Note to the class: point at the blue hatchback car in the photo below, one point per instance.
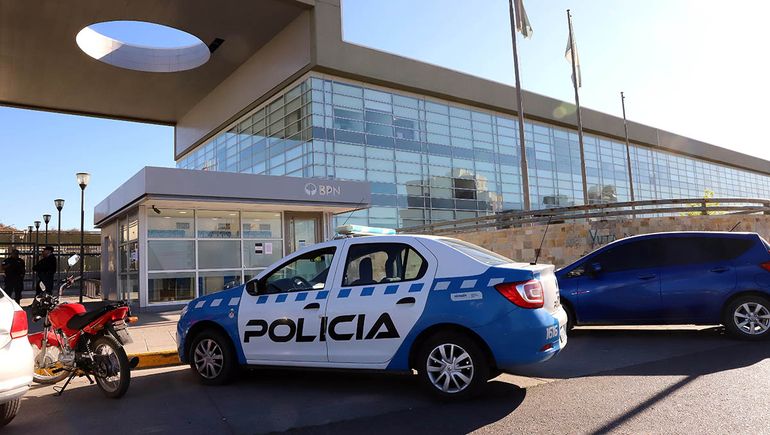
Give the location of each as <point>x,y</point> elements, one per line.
<point>673,278</point>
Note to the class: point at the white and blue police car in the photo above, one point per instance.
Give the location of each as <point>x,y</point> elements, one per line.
<point>454,312</point>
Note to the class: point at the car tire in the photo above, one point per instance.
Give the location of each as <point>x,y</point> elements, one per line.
<point>748,318</point>
<point>212,358</point>
<point>452,366</point>
<point>8,411</point>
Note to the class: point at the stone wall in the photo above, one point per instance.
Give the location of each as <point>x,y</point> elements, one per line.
<point>567,242</point>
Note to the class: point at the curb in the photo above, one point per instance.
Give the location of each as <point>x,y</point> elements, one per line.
<point>150,360</point>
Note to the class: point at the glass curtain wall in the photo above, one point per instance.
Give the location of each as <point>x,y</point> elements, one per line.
<point>197,252</point>
<point>430,160</point>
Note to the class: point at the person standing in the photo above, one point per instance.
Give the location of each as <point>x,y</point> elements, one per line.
<point>14,269</point>
<point>46,269</point>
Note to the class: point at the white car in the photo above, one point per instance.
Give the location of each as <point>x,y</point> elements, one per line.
<point>15,358</point>
<point>455,312</point>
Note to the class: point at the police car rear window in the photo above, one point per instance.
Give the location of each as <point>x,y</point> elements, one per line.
<point>476,252</point>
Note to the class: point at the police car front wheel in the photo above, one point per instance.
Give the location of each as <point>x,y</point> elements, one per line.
<point>452,366</point>
<point>212,358</point>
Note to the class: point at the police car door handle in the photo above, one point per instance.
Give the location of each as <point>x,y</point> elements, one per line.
<point>647,277</point>
<point>313,306</point>
<point>405,301</point>
<point>720,269</point>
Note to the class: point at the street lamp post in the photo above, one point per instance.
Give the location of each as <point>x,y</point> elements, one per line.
<point>46,219</point>
<point>29,241</point>
<point>83,179</point>
<point>59,203</point>
<point>37,241</point>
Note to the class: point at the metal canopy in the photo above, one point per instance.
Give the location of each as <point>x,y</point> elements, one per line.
<point>42,67</point>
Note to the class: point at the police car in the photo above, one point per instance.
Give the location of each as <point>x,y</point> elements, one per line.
<point>454,312</point>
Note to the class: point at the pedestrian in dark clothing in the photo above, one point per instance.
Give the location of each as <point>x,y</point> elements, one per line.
<point>46,269</point>
<point>14,269</point>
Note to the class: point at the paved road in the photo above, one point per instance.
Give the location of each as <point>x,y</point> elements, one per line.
<point>607,380</point>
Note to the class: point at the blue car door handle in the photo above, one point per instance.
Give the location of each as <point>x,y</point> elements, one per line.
<point>719,269</point>
<point>405,301</point>
<point>647,277</point>
<point>313,306</point>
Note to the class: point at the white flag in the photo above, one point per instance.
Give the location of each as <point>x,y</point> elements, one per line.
<point>568,56</point>
<point>522,22</point>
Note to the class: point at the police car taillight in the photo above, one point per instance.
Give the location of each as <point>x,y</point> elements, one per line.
<point>526,294</point>
<point>19,326</point>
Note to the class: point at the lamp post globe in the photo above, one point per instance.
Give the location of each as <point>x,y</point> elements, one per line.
<point>83,178</point>
<point>46,219</point>
<point>59,203</point>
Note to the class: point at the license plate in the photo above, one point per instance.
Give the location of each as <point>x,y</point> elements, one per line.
<point>122,332</point>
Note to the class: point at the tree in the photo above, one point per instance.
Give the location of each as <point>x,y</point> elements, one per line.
<point>707,194</point>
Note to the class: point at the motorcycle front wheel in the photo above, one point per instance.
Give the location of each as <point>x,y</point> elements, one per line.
<point>111,369</point>
<point>48,369</point>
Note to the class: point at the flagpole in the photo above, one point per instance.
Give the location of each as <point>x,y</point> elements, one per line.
<point>628,146</point>
<point>520,112</point>
<point>577,105</point>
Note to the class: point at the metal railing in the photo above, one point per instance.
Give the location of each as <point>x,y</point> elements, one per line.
<point>658,207</point>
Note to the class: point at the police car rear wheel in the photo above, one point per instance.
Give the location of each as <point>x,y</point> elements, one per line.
<point>452,366</point>
<point>212,358</point>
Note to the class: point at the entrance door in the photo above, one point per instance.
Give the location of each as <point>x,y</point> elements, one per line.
<point>302,229</point>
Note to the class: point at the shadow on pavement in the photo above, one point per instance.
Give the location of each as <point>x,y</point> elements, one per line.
<point>263,401</point>
<point>593,352</point>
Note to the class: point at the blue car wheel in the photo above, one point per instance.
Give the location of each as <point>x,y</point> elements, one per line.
<point>748,317</point>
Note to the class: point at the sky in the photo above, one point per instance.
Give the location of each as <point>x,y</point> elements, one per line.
<point>692,67</point>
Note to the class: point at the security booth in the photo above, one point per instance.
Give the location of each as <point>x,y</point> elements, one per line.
<point>170,235</point>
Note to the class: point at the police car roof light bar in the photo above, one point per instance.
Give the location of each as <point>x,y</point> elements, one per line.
<point>361,230</point>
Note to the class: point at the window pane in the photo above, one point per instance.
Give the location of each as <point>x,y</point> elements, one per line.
<point>211,282</point>
<point>166,287</point>
<point>218,224</point>
<point>699,250</point>
<point>414,265</point>
<point>170,254</point>
<point>219,254</point>
<point>248,275</point>
<point>261,253</point>
<point>307,272</point>
<point>639,254</point>
<point>133,227</point>
<point>261,224</point>
<point>373,263</point>
<point>170,223</point>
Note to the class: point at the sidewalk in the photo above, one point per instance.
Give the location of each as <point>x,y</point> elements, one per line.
<point>154,334</point>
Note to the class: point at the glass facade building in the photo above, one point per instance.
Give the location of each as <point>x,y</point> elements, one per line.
<point>430,160</point>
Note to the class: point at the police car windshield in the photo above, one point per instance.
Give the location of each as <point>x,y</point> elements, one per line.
<point>476,252</point>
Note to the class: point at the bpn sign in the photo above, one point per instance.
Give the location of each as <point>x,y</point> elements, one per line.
<point>313,189</point>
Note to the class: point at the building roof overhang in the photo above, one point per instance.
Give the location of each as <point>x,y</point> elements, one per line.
<point>170,187</point>
<point>42,67</point>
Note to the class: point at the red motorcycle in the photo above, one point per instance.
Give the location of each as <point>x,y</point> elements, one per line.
<point>79,343</point>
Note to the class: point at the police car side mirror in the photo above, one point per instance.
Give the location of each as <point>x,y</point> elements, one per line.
<point>252,287</point>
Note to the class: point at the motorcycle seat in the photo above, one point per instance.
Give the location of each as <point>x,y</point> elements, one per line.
<point>82,320</point>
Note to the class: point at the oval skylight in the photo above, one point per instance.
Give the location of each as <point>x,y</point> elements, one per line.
<point>142,46</point>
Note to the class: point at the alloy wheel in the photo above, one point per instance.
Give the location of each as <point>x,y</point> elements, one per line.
<point>450,368</point>
<point>752,318</point>
<point>208,358</point>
